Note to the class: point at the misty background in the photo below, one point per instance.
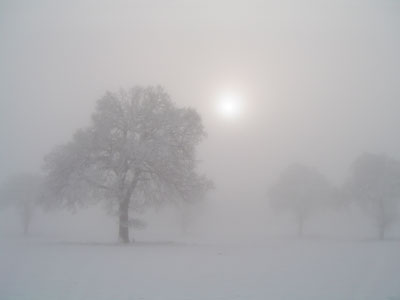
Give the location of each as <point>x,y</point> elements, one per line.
<point>319,81</point>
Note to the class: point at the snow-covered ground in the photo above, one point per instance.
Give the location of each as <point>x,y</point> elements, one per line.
<point>274,269</point>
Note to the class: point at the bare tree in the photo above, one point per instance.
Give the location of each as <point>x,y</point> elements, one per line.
<point>375,187</point>
<point>300,190</point>
<point>22,191</point>
<point>138,151</point>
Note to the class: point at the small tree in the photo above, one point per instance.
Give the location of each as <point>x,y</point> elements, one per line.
<point>22,191</point>
<point>138,151</point>
<point>300,190</point>
<point>187,214</point>
<point>375,187</point>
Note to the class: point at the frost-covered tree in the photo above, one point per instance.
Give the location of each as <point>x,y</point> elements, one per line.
<point>300,190</point>
<point>375,187</point>
<point>23,191</point>
<point>187,214</point>
<point>139,150</point>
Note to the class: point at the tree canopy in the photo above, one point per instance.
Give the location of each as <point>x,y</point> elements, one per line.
<point>375,186</point>
<point>300,190</point>
<point>139,150</point>
<point>24,192</point>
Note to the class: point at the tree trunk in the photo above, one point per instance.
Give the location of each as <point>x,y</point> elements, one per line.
<point>381,232</point>
<point>124,221</point>
<point>300,225</point>
<point>26,217</point>
<point>26,227</point>
<point>381,220</point>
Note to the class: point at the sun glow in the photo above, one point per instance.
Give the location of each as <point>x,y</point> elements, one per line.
<point>229,105</point>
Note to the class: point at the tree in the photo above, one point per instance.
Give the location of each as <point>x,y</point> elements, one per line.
<point>300,190</point>
<point>187,214</point>
<point>375,187</point>
<point>23,191</point>
<point>138,151</point>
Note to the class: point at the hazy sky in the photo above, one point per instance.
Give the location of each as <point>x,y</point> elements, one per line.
<point>319,79</point>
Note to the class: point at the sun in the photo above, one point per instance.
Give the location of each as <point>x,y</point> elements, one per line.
<point>229,105</point>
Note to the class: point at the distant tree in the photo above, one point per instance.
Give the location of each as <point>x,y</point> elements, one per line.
<point>22,191</point>
<point>375,187</point>
<point>187,214</point>
<point>300,190</point>
<point>138,151</point>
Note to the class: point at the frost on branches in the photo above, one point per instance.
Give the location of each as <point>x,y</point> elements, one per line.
<point>138,151</point>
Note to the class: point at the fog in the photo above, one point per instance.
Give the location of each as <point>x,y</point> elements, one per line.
<point>318,83</point>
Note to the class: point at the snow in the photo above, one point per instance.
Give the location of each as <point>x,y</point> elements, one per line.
<point>273,269</point>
